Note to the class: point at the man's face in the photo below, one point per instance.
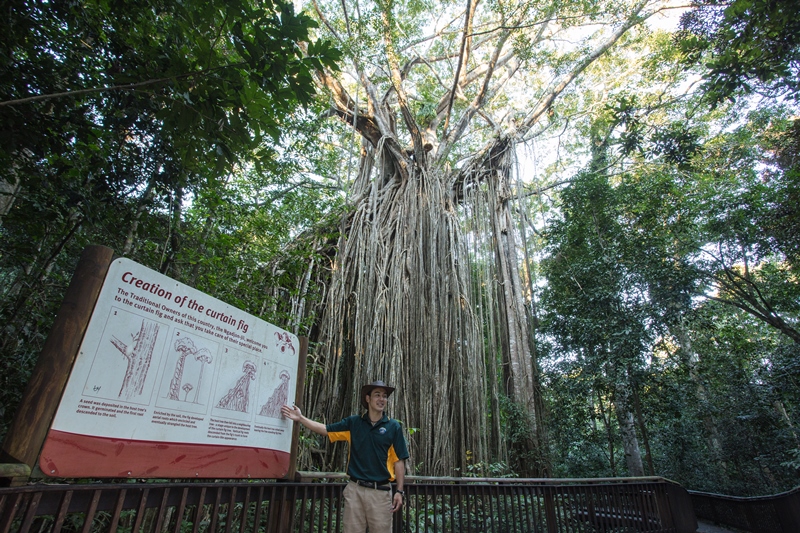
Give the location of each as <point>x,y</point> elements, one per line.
<point>377,399</point>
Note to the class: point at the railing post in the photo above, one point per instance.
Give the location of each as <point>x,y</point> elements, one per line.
<point>397,521</point>
<point>788,510</point>
<point>282,519</point>
<point>679,508</point>
<point>550,509</point>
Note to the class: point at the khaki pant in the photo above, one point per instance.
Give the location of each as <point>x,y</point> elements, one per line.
<point>365,507</point>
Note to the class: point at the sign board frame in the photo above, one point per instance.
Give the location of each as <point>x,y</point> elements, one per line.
<point>168,382</point>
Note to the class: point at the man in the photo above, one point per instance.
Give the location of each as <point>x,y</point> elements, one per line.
<point>377,454</point>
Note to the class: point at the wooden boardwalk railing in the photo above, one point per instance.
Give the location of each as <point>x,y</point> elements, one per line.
<point>779,513</point>
<point>432,505</point>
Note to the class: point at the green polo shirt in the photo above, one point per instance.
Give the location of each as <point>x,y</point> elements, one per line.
<point>373,449</point>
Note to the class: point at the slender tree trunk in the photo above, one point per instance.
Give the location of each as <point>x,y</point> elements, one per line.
<point>690,359</point>
<point>25,286</point>
<point>781,409</point>
<point>208,227</point>
<point>627,428</point>
<point>8,194</point>
<point>609,434</point>
<point>143,202</point>
<point>643,430</point>
<point>299,301</point>
<point>170,266</point>
<point>202,249</point>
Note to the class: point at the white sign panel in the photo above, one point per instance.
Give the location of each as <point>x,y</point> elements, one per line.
<point>162,362</point>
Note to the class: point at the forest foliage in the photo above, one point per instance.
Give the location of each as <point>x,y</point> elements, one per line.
<point>655,229</point>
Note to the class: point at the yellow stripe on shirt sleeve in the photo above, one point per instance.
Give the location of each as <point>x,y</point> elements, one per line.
<point>335,436</point>
<point>391,459</point>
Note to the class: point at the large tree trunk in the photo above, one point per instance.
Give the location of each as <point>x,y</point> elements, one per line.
<point>399,309</point>
<point>520,376</point>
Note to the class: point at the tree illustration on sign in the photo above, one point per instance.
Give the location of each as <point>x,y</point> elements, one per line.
<point>238,397</point>
<point>138,355</point>
<point>186,347</point>
<point>204,357</point>
<point>279,396</point>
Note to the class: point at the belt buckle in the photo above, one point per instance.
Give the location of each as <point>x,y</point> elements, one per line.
<point>372,485</point>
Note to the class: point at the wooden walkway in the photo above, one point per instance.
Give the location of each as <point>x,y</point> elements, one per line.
<point>709,527</point>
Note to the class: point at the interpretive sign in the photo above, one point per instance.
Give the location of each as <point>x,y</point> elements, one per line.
<point>171,382</point>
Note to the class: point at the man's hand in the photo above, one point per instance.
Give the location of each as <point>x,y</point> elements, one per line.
<point>397,502</point>
<point>292,413</point>
<point>400,476</point>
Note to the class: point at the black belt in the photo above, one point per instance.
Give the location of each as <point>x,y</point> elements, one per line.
<point>373,484</point>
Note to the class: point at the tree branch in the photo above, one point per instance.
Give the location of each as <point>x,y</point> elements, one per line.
<point>463,56</point>
<point>128,86</point>
<point>402,97</point>
<point>634,19</point>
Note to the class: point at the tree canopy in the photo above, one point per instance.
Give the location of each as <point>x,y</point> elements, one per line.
<point>153,128</point>
<point>745,46</point>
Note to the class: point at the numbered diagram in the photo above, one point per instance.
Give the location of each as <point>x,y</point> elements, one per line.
<point>121,366</point>
<point>278,389</point>
<point>235,387</point>
<point>188,372</point>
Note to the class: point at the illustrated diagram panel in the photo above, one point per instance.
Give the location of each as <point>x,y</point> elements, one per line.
<point>162,362</point>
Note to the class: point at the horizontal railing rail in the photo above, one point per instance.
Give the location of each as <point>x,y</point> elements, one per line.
<point>432,505</point>
<point>779,513</point>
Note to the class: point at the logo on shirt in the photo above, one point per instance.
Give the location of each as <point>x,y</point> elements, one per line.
<point>382,431</point>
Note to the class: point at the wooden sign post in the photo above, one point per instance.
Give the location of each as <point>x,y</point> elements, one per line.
<point>39,403</point>
<point>298,401</point>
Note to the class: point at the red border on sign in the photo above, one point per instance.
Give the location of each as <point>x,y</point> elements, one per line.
<point>73,455</point>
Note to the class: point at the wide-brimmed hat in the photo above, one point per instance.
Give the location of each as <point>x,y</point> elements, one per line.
<point>367,390</point>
